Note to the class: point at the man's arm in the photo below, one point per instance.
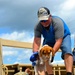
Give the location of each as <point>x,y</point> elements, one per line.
<point>36,44</point>
<point>57,45</point>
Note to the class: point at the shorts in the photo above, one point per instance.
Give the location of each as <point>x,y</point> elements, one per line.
<point>66,46</point>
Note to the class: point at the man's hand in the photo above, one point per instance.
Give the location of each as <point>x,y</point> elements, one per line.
<point>34,57</point>
<point>33,63</point>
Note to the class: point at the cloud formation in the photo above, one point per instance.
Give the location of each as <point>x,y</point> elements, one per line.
<point>21,15</point>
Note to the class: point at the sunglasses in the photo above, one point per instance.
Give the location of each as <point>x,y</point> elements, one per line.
<point>43,20</point>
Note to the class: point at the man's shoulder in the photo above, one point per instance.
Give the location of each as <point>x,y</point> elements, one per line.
<point>38,25</point>
<point>56,18</point>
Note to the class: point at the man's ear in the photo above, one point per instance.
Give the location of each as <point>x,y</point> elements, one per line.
<point>52,54</point>
<point>41,52</point>
<point>52,50</point>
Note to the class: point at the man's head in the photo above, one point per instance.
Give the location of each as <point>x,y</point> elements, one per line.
<point>44,16</point>
<point>43,13</point>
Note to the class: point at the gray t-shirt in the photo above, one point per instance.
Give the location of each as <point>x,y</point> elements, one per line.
<point>57,24</point>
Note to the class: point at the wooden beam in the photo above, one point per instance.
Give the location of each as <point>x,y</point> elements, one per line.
<point>1,61</point>
<point>17,44</point>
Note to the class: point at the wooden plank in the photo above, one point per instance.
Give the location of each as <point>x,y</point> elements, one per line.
<point>1,62</point>
<point>17,44</point>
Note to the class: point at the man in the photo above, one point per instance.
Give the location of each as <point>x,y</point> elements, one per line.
<point>57,35</point>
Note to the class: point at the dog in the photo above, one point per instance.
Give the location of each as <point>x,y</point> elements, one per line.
<point>46,53</point>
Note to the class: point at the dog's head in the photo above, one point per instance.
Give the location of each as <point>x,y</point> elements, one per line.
<point>46,50</point>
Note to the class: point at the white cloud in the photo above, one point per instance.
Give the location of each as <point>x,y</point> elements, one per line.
<point>58,62</point>
<point>19,55</point>
<point>68,5</point>
<point>23,36</point>
<point>24,55</point>
<point>8,53</point>
<point>67,8</point>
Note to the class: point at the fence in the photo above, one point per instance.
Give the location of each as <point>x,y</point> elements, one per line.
<point>57,69</point>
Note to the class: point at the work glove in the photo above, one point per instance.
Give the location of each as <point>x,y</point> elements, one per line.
<point>33,58</point>
<point>33,63</point>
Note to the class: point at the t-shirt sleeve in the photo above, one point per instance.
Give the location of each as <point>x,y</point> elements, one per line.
<point>38,30</point>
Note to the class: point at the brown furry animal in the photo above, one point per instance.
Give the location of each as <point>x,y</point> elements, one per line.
<point>44,55</point>
<point>45,52</point>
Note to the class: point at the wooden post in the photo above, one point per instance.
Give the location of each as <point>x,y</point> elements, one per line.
<point>59,70</point>
<point>54,70</point>
<point>1,62</point>
<point>73,71</point>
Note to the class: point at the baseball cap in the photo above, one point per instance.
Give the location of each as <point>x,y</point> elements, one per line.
<point>43,13</point>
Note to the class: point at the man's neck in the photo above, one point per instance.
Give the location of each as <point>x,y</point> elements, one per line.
<point>47,28</point>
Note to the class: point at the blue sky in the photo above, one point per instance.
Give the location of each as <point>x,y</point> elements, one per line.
<point>17,21</point>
